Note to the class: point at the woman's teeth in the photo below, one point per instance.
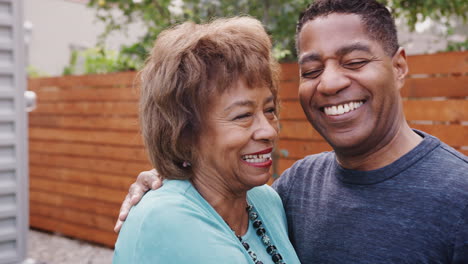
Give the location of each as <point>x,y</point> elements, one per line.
<point>342,108</point>
<point>257,158</point>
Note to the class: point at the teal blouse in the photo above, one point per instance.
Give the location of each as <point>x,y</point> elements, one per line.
<point>174,224</point>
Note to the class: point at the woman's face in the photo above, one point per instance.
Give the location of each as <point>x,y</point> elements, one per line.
<point>238,138</point>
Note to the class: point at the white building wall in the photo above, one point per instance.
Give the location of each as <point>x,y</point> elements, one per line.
<point>430,36</point>
<point>13,136</point>
<point>60,25</point>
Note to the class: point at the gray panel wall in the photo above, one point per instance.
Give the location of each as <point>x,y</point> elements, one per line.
<point>13,135</point>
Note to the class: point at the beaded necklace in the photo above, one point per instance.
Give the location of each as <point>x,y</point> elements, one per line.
<point>261,232</point>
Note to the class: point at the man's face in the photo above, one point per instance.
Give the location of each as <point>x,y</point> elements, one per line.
<point>349,87</point>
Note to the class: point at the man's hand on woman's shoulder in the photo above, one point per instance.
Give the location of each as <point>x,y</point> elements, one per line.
<point>146,180</point>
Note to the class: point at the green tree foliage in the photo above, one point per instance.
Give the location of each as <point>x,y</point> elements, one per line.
<point>99,60</point>
<point>418,10</point>
<point>279,17</point>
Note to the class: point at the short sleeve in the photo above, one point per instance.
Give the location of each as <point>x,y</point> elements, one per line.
<point>176,231</point>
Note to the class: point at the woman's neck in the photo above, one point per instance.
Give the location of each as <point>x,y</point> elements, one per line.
<point>230,205</point>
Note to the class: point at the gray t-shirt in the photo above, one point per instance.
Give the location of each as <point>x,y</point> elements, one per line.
<point>414,210</point>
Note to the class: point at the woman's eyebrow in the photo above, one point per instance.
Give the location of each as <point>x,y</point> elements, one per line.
<point>239,103</point>
<point>269,99</point>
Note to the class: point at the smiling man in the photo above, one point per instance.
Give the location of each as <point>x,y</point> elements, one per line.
<point>349,90</point>
<point>387,193</point>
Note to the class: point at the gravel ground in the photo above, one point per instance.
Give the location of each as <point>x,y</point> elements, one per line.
<point>47,248</point>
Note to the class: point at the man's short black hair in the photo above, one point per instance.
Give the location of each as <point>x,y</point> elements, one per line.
<point>376,18</point>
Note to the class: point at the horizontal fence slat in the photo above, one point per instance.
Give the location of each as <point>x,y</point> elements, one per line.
<point>76,203</point>
<point>92,164</point>
<point>87,122</point>
<point>298,149</point>
<point>121,79</point>
<point>443,110</point>
<point>55,94</point>
<point>289,71</point>
<point>73,230</point>
<point>299,129</point>
<point>104,223</point>
<point>88,136</point>
<point>441,63</point>
<point>453,135</point>
<point>89,108</point>
<point>447,62</point>
<point>447,110</point>
<point>289,90</point>
<point>453,86</point>
<point>84,177</point>
<point>123,153</point>
<point>291,110</point>
<point>78,190</point>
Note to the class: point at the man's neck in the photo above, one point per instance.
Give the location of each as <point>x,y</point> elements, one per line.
<point>402,142</point>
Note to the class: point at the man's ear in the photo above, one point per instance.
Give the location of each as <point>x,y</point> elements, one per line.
<point>400,66</point>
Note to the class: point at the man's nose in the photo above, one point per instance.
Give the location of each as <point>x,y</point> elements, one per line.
<point>333,80</point>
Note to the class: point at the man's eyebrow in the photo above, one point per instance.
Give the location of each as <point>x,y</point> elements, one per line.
<point>352,47</point>
<point>340,52</point>
<point>309,57</point>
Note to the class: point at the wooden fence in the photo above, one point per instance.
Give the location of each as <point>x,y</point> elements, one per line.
<point>85,148</point>
<point>85,151</point>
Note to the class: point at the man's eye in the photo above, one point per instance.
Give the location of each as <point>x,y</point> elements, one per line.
<point>354,65</point>
<point>312,74</point>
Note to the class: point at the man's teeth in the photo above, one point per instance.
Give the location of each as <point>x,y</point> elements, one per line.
<point>342,108</point>
<point>257,158</point>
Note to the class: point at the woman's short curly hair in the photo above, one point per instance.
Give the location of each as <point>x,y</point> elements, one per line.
<point>189,66</point>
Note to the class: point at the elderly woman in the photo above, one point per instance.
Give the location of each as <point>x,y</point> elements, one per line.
<point>208,115</point>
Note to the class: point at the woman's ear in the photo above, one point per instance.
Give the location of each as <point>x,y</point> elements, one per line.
<point>400,66</point>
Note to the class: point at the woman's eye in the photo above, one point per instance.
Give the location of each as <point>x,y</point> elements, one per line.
<point>312,74</point>
<point>354,65</point>
<point>271,111</point>
<point>243,116</point>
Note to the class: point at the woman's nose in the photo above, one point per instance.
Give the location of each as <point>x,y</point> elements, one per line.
<point>267,129</point>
